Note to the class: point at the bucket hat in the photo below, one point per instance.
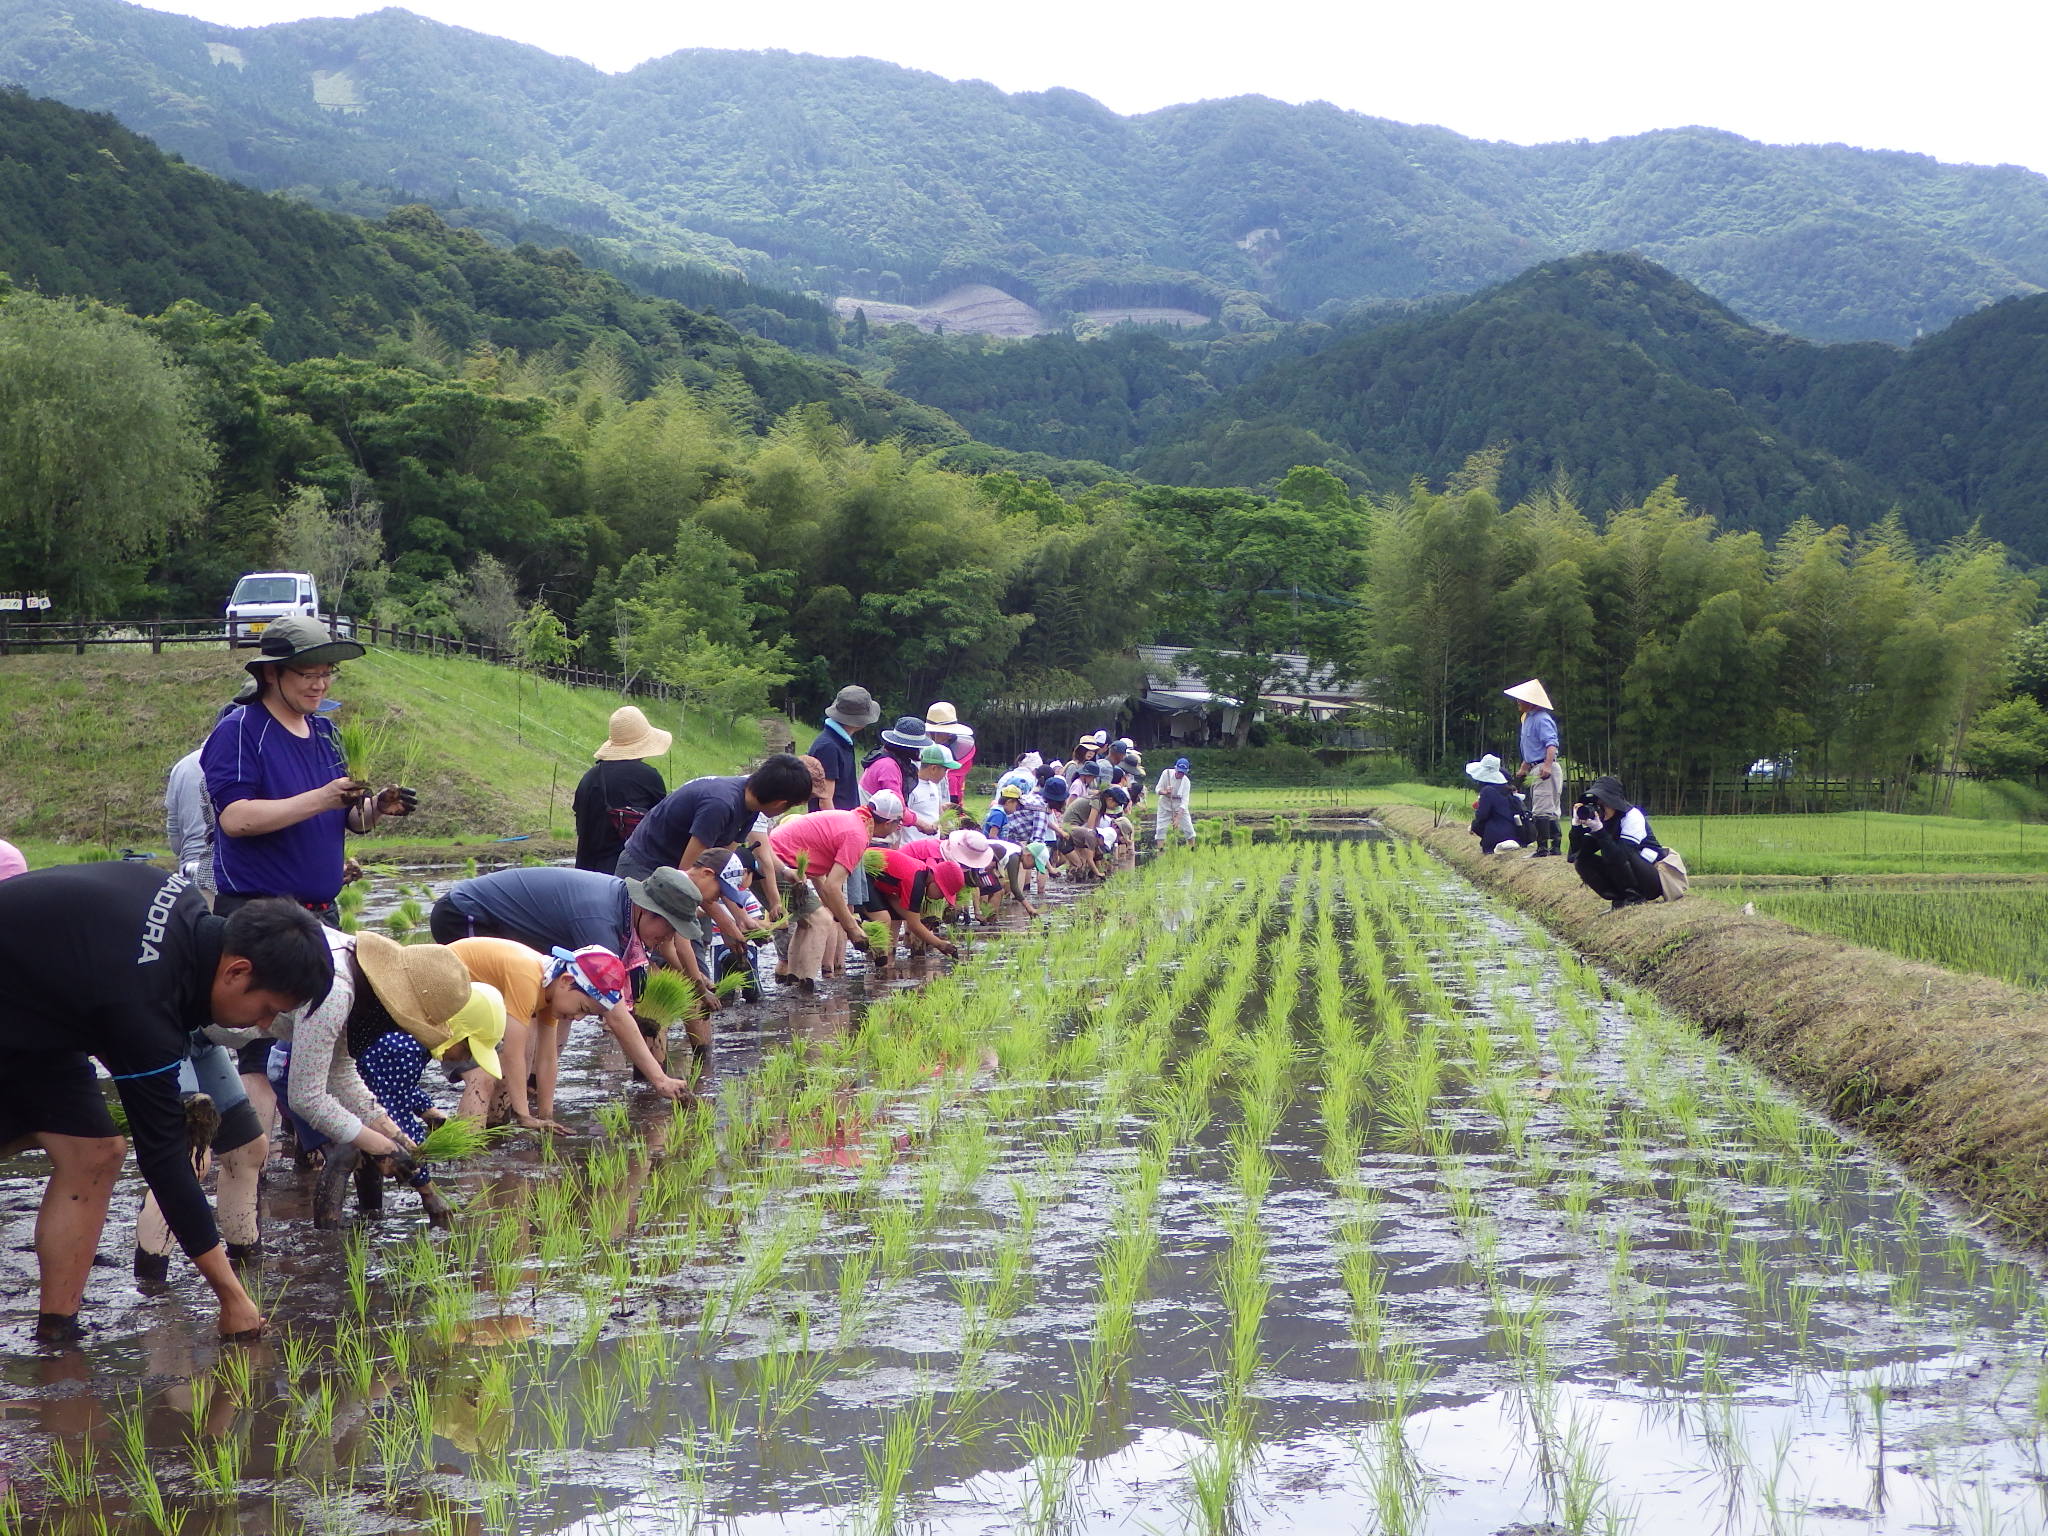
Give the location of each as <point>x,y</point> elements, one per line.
<point>943,717</point>
<point>422,986</point>
<point>969,849</point>
<point>304,641</point>
<point>817,772</point>
<point>936,755</point>
<point>1608,791</point>
<point>855,707</point>
<point>908,732</point>
<point>632,737</point>
<point>1530,692</point>
<point>1055,790</point>
<point>1486,770</point>
<point>667,893</point>
<point>478,1027</point>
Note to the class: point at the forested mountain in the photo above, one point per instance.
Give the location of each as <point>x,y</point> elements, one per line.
<point>1608,371</point>
<point>860,178</point>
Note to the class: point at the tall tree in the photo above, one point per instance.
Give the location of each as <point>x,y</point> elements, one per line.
<point>102,453</point>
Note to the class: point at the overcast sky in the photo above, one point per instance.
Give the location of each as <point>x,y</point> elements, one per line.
<point>1958,81</point>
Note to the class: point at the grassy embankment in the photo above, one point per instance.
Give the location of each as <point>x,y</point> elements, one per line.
<point>1948,1072</point>
<point>1968,891</point>
<point>88,741</point>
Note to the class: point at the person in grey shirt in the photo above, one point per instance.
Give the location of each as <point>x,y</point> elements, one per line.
<point>188,822</point>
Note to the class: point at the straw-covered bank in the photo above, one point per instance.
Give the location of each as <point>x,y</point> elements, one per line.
<point>1948,1073</point>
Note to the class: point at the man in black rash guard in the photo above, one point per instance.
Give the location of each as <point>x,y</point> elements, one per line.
<point>121,962</point>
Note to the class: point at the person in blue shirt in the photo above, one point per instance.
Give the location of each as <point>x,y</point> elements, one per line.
<point>282,797</point>
<point>1497,815</point>
<point>1540,748</point>
<point>845,718</point>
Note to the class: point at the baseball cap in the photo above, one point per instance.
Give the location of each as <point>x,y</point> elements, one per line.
<point>1010,791</point>
<point>886,805</point>
<point>595,971</point>
<point>936,754</point>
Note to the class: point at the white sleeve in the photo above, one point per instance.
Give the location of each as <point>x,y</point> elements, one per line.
<point>325,1089</point>
<point>1635,826</point>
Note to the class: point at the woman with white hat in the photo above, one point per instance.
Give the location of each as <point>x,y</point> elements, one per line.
<point>1497,815</point>
<point>943,724</point>
<point>619,789</point>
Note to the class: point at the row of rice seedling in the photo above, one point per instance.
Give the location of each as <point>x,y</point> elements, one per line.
<point>1994,930</point>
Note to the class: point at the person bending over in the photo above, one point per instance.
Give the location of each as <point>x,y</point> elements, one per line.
<point>121,963</point>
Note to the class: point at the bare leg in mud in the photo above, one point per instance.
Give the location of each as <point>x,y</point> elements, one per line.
<point>73,1214</point>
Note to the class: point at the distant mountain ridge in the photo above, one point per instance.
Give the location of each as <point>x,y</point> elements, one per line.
<point>858,178</point>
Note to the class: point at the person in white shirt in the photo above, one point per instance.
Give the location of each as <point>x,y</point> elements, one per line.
<point>1173,789</point>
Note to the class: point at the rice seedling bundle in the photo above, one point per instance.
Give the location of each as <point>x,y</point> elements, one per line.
<point>458,1138</point>
<point>666,997</point>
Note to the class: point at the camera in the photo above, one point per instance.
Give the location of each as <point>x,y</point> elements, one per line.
<point>1586,811</point>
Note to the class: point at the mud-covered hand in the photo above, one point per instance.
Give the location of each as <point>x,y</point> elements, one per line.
<point>397,801</point>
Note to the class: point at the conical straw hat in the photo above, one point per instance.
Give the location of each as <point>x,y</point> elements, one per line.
<point>1530,692</point>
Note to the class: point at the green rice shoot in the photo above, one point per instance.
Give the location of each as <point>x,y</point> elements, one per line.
<point>457,1138</point>
<point>668,996</point>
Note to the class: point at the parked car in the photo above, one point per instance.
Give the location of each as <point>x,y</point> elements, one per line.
<point>1771,769</point>
<point>261,596</point>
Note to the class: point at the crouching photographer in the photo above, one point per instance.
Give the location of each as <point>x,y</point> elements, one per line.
<point>1613,847</point>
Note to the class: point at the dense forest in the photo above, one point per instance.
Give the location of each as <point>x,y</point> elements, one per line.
<point>849,176</point>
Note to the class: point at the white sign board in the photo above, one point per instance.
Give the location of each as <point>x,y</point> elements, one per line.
<point>17,602</point>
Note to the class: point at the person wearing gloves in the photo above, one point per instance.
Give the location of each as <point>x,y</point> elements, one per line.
<point>546,907</point>
<point>282,798</point>
<point>943,725</point>
<point>121,963</point>
<point>1613,846</point>
<point>852,712</point>
<point>1496,815</point>
<point>1174,790</point>
<point>928,798</point>
<point>614,796</point>
<point>1540,745</point>
<point>351,1091</point>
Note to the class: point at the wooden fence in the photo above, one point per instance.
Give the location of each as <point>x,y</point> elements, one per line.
<point>20,637</point>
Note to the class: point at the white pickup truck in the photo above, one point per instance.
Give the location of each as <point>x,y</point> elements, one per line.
<point>261,596</point>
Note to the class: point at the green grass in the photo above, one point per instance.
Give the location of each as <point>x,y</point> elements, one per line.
<point>1994,930</point>
<point>89,740</point>
<point>1836,843</point>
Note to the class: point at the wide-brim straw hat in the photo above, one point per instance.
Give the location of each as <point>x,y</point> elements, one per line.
<point>969,849</point>
<point>422,986</point>
<point>632,736</point>
<point>942,717</point>
<point>1486,771</point>
<point>297,640</point>
<point>908,732</point>
<point>854,708</point>
<point>1530,692</point>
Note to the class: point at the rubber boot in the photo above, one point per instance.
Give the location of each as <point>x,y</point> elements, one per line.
<point>369,1187</point>
<point>331,1194</point>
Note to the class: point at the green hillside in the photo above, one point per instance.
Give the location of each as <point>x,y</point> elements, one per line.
<point>861,178</point>
<point>499,753</point>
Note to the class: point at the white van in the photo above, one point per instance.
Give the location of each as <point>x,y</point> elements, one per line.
<point>262,596</point>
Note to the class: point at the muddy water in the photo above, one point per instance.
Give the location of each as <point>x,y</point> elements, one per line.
<point>1620,1284</point>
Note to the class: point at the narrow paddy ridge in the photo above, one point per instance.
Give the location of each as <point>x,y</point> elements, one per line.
<point>1280,1188</point>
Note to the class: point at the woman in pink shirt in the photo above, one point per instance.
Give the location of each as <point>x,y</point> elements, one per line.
<point>894,767</point>
<point>831,844</point>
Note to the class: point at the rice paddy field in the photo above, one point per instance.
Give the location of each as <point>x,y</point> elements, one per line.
<point>1994,929</point>
<point>1292,1187</point>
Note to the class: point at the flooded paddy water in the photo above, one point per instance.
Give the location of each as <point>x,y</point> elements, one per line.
<point>1280,1188</point>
